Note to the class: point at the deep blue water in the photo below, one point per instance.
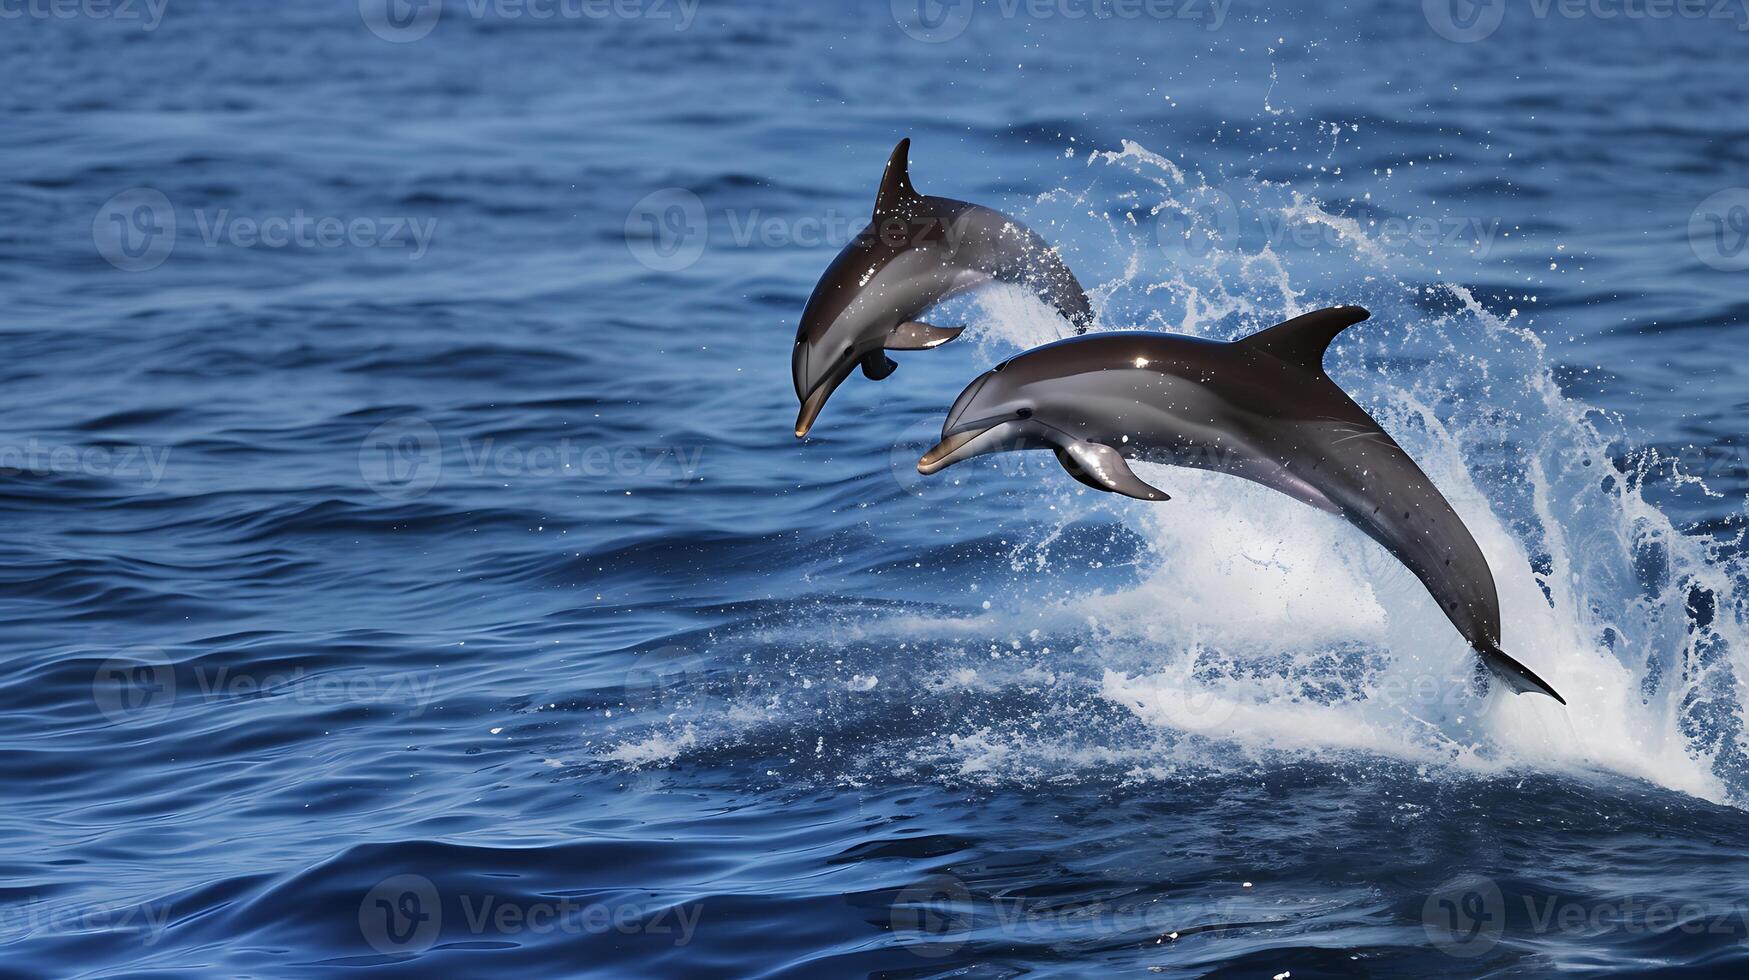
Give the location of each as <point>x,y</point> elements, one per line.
<point>409,566</point>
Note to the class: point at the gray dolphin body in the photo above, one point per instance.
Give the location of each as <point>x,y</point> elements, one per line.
<point>1260,408</point>
<point>915,252</point>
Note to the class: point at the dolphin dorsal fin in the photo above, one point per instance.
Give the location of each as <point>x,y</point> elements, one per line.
<point>897,195</point>
<point>1303,340</point>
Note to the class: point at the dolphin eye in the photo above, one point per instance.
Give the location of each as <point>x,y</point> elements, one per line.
<point>1025,413</point>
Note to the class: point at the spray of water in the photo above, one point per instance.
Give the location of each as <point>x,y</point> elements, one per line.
<point>1257,629</point>
<point>1276,627</point>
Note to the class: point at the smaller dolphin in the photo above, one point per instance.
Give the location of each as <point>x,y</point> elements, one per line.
<point>915,252</point>
<point>1260,408</point>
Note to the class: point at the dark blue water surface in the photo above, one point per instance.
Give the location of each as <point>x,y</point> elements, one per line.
<point>409,565</point>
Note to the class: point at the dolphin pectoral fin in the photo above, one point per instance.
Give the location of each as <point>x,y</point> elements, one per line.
<point>877,366</point>
<point>1101,467</point>
<point>1303,340</point>
<point>913,335</point>
<point>1516,676</point>
<point>1074,469</point>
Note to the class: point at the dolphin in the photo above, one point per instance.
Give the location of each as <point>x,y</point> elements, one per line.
<point>915,252</point>
<point>1260,408</point>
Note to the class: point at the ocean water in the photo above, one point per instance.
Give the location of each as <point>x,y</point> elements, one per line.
<point>409,566</point>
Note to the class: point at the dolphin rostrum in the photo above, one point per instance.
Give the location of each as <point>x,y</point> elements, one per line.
<point>915,252</point>
<point>1260,408</point>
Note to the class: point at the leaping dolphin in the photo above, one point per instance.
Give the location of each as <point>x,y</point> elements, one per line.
<point>1260,408</point>
<point>915,252</point>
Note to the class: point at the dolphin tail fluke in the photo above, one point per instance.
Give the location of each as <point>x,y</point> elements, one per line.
<point>1518,677</point>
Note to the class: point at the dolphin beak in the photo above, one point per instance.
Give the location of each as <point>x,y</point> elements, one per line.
<point>811,406</point>
<point>961,446</point>
<point>941,457</point>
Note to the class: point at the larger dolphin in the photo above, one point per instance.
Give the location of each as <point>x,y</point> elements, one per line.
<point>1260,408</point>
<point>915,252</point>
